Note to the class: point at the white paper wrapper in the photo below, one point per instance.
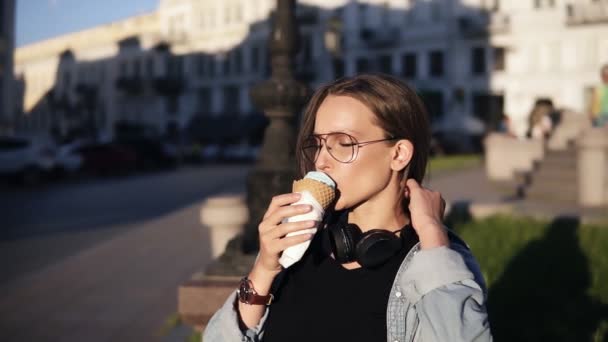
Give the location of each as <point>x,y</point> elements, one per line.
<point>293,254</point>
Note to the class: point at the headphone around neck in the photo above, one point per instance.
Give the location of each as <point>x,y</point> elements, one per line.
<point>370,249</point>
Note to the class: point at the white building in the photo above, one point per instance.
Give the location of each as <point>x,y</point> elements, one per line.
<point>7,42</point>
<point>472,60</point>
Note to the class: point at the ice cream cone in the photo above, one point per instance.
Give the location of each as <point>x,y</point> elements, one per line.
<point>323,193</point>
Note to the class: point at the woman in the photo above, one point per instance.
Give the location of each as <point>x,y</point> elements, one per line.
<point>370,134</point>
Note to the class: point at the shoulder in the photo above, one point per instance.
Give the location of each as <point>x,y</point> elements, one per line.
<point>459,245</point>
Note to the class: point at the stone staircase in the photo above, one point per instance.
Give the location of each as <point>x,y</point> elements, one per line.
<point>554,178</point>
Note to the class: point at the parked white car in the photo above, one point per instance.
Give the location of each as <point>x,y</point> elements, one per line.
<point>26,158</point>
<point>67,159</point>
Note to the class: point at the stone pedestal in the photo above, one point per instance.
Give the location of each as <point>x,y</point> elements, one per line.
<point>592,167</point>
<point>224,216</point>
<point>199,299</point>
<point>506,155</point>
<point>570,127</point>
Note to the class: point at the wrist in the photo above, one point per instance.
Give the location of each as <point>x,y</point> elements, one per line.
<point>432,236</point>
<point>262,279</point>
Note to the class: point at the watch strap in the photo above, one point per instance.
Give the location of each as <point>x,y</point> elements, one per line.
<point>248,295</point>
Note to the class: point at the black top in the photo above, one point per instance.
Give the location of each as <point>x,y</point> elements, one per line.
<point>319,300</point>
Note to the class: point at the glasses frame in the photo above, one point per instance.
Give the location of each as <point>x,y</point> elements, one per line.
<point>355,145</point>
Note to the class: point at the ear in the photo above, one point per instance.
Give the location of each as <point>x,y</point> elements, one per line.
<point>402,154</point>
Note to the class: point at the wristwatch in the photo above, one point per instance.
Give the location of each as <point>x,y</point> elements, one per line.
<point>248,295</point>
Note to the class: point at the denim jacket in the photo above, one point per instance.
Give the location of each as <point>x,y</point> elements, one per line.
<point>438,295</point>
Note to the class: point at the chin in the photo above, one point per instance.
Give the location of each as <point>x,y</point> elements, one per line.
<point>340,205</point>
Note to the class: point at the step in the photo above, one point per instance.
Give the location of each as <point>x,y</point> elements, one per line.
<point>553,191</point>
<point>551,195</point>
<point>558,163</point>
<point>565,174</point>
<point>553,184</point>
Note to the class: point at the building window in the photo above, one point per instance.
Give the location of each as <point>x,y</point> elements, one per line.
<point>363,65</point>
<point>204,100</point>
<point>255,58</point>
<point>175,66</point>
<point>338,64</point>
<point>499,59</point>
<point>172,105</point>
<point>306,49</point>
<point>66,80</point>
<point>122,71</point>
<point>385,64</point>
<point>436,63</point>
<point>435,11</point>
<point>433,100</point>
<point>231,100</point>
<point>150,66</point>
<point>409,65</point>
<point>136,68</point>
<point>211,66</point>
<point>227,15</point>
<point>238,61</point>
<point>478,61</point>
<point>200,65</point>
<point>238,13</point>
<point>226,64</point>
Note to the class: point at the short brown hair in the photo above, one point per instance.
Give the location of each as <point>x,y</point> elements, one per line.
<point>398,110</point>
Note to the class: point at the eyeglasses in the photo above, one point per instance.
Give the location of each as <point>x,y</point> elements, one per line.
<point>341,146</point>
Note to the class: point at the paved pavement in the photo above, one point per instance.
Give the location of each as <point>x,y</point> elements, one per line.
<point>121,288</point>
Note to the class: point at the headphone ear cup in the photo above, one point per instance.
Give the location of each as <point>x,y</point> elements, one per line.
<point>343,239</point>
<point>376,247</point>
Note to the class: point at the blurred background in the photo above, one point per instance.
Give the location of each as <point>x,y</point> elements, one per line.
<point>121,121</point>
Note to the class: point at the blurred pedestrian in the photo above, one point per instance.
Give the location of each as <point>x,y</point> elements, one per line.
<point>599,100</point>
<point>539,122</point>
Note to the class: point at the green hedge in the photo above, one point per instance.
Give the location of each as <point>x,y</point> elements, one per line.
<point>548,281</point>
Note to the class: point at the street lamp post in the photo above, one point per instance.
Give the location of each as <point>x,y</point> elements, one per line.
<point>280,97</point>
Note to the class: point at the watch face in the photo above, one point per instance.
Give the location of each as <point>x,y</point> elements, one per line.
<point>245,291</point>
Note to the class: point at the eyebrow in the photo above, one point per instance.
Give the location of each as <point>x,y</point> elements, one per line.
<point>347,131</point>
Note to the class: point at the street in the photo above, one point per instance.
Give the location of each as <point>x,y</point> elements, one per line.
<point>100,260</point>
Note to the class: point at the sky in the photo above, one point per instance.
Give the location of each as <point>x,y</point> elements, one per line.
<point>38,20</point>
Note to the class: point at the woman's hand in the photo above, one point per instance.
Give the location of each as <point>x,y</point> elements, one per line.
<point>426,212</point>
<point>272,232</point>
<point>272,242</point>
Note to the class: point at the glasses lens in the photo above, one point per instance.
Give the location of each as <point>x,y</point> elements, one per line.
<point>341,146</point>
<point>310,148</point>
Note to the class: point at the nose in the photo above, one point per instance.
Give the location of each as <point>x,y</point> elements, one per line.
<point>323,159</point>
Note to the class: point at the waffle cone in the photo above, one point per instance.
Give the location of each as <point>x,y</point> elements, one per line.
<point>323,193</point>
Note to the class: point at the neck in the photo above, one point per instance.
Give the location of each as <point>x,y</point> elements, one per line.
<point>383,211</point>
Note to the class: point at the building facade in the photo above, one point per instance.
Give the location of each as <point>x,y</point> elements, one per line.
<point>7,42</point>
<point>471,60</point>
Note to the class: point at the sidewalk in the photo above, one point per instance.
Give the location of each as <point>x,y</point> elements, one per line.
<point>122,289</point>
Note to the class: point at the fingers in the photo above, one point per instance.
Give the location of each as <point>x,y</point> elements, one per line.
<point>286,228</point>
<point>281,213</point>
<point>412,184</point>
<point>280,201</point>
<point>275,240</point>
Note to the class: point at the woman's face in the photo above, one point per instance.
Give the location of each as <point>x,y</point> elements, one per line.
<point>370,172</point>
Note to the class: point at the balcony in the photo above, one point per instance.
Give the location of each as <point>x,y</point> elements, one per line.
<point>170,85</point>
<point>586,14</point>
<point>384,37</point>
<point>473,26</point>
<point>130,85</point>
